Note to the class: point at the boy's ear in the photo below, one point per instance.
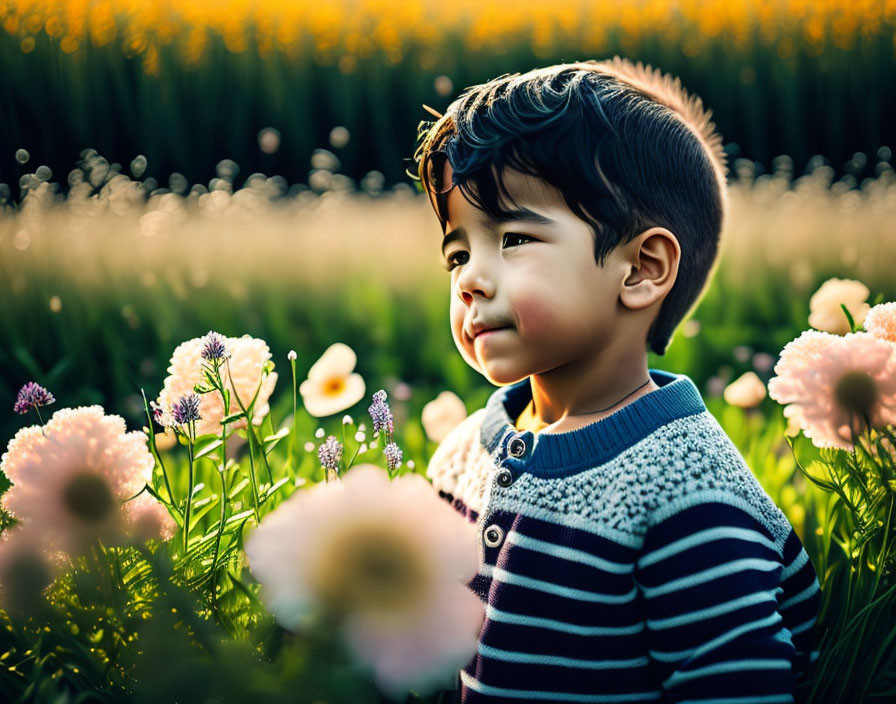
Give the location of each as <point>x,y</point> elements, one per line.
<point>652,259</point>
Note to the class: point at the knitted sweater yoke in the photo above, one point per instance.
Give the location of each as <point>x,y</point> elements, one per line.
<point>634,559</point>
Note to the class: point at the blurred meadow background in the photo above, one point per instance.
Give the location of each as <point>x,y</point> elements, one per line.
<point>168,169</point>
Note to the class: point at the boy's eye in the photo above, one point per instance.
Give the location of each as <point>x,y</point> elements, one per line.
<point>509,236</point>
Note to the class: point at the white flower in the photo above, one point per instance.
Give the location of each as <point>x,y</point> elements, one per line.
<point>390,560</point>
<point>824,306</point>
<point>69,481</point>
<point>746,391</point>
<point>331,385</point>
<point>441,415</point>
<point>248,357</point>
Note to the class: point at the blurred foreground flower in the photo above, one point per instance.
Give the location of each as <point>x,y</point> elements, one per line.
<point>881,321</point>
<point>331,385</point>
<point>441,415</point>
<point>242,372</point>
<point>824,306</point>
<point>388,560</point>
<point>25,570</point>
<point>746,391</point>
<point>71,477</point>
<point>836,386</point>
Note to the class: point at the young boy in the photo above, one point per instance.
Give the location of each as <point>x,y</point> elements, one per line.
<point>627,552</point>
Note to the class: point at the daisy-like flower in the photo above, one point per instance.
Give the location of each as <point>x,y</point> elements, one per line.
<point>389,560</point>
<point>836,386</point>
<point>70,477</point>
<point>747,391</point>
<point>825,313</point>
<point>30,396</point>
<point>332,385</point>
<point>25,570</point>
<point>380,413</point>
<point>442,415</point>
<point>242,374</point>
<point>393,456</point>
<point>881,321</point>
<point>214,346</point>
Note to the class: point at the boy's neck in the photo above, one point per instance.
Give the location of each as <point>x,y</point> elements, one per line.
<point>567,399</point>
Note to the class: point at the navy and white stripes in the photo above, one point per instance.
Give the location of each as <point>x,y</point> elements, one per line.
<point>691,591</point>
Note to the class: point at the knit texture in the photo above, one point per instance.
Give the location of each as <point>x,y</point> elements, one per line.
<point>634,559</point>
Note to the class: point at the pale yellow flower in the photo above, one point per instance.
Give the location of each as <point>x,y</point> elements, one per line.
<point>389,560</point>
<point>836,386</point>
<point>242,373</point>
<point>825,313</point>
<point>70,479</point>
<point>332,386</point>
<point>881,321</point>
<point>441,415</point>
<point>746,391</point>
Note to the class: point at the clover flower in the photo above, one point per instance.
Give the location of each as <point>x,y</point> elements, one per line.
<point>214,347</point>
<point>332,385</point>
<point>389,560</point>
<point>441,415</point>
<point>31,396</point>
<point>393,456</point>
<point>330,452</point>
<point>380,413</point>
<point>186,409</point>
<point>70,478</point>
<point>836,386</point>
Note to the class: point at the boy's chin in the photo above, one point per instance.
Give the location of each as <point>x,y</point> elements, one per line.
<point>502,375</point>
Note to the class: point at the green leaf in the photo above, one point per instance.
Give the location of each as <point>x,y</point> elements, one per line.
<point>207,448</point>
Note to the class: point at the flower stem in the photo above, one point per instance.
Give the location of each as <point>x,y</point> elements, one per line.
<point>190,438</point>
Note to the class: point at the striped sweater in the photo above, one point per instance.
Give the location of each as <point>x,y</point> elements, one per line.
<point>635,559</point>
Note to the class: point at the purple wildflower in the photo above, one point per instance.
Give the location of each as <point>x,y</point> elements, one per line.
<point>330,452</point>
<point>214,346</point>
<point>186,409</point>
<point>32,395</point>
<point>393,456</point>
<point>380,413</point>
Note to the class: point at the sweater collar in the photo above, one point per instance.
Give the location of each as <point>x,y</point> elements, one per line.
<point>554,454</point>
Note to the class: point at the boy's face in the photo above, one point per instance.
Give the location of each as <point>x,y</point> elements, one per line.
<point>538,281</point>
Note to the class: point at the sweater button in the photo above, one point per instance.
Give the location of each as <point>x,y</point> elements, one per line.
<point>493,536</point>
<point>504,478</point>
<point>517,447</point>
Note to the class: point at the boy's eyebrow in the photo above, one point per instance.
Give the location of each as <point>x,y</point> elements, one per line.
<point>513,215</point>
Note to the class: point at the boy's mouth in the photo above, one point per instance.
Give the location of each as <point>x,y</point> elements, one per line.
<point>481,329</point>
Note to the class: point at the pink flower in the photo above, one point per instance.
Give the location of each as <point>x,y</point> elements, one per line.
<point>149,519</point>
<point>70,478</point>
<point>881,321</point>
<point>835,385</point>
<point>242,374</point>
<point>390,560</point>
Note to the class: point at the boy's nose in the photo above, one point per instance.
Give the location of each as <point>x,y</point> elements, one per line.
<point>470,283</point>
